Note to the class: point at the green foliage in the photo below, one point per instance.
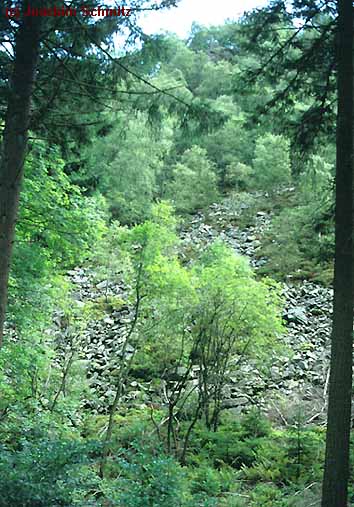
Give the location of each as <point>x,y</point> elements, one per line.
<point>46,473</point>
<point>270,464</point>
<point>267,495</point>
<point>231,149</point>
<point>132,426</point>
<point>55,215</point>
<point>210,481</point>
<point>145,478</point>
<point>289,254</point>
<point>125,165</point>
<point>150,250</point>
<point>172,297</point>
<point>209,314</point>
<point>19,364</point>
<point>243,206</point>
<point>288,457</point>
<point>194,183</point>
<point>160,282</point>
<point>317,178</point>
<point>249,307</point>
<point>271,161</point>
<point>300,241</point>
<point>238,175</point>
<point>234,444</point>
<point>58,227</point>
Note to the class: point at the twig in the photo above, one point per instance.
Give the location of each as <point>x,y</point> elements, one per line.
<point>326,384</point>
<point>157,427</point>
<point>280,414</point>
<point>307,487</point>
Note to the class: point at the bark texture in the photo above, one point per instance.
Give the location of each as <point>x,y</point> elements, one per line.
<point>336,473</point>
<point>14,144</point>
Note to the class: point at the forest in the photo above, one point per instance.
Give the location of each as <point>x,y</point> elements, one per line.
<point>176,259</point>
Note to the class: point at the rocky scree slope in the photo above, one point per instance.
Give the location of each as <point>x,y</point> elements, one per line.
<point>301,377</point>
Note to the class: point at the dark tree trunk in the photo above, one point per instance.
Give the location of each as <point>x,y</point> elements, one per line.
<point>335,481</point>
<point>14,144</point>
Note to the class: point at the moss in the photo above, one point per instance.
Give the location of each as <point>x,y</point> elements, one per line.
<point>108,304</point>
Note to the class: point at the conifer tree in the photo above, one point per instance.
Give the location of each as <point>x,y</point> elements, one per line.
<point>49,50</point>
<point>336,474</point>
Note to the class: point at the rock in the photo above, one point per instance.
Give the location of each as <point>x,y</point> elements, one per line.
<point>102,285</point>
<point>307,320</point>
<point>181,371</point>
<point>297,315</point>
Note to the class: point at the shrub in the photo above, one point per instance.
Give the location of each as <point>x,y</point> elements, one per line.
<point>194,182</point>
<point>267,495</point>
<point>235,443</point>
<point>145,479</point>
<point>288,457</point>
<point>46,473</point>
<point>300,243</point>
<point>125,165</point>
<point>272,161</point>
<point>238,175</point>
<point>208,480</point>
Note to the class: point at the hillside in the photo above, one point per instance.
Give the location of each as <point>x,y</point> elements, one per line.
<point>167,286</point>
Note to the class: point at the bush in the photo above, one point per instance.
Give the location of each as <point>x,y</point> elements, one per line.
<point>46,473</point>
<point>288,457</point>
<point>272,162</point>
<point>194,182</point>
<point>234,444</point>
<point>134,425</point>
<point>238,175</point>
<point>300,243</point>
<point>125,165</point>
<point>208,480</point>
<point>267,495</point>
<point>145,479</point>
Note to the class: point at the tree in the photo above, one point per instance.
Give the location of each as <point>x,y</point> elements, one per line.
<point>125,164</point>
<point>58,226</point>
<point>65,45</point>
<point>272,161</point>
<point>15,144</point>
<point>290,74</point>
<point>336,474</point>
<point>194,183</point>
<point>303,64</point>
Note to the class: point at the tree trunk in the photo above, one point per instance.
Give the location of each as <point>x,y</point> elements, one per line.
<point>336,473</point>
<point>14,144</point>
